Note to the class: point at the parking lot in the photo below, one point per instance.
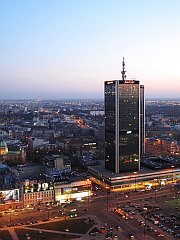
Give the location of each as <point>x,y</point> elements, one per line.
<point>158,216</point>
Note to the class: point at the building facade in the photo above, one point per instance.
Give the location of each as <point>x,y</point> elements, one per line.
<point>36,194</point>
<point>142,120</point>
<point>124,124</point>
<point>162,147</point>
<point>134,181</point>
<point>76,190</point>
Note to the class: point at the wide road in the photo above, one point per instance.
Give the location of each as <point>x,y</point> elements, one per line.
<point>102,206</point>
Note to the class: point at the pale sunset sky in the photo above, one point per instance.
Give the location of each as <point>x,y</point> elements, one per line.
<point>68,48</point>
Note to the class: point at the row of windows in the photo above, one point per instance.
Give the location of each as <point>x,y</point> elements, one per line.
<point>147,179</point>
<point>36,195</point>
<point>34,201</point>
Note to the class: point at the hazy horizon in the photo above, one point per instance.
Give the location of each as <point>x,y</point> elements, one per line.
<point>82,99</point>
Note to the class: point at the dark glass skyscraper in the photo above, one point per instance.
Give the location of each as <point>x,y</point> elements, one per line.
<point>124,118</point>
<point>142,120</point>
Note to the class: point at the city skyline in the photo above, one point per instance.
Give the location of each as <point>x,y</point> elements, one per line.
<point>67,49</point>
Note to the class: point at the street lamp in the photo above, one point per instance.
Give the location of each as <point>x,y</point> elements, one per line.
<point>155,194</point>
<point>107,200</point>
<point>89,190</point>
<point>145,211</point>
<point>155,190</point>
<point>64,213</point>
<point>48,213</point>
<point>172,167</point>
<point>48,208</point>
<point>10,216</point>
<point>135,182</point>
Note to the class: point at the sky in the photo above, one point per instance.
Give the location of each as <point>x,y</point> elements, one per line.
<point>68,48</point>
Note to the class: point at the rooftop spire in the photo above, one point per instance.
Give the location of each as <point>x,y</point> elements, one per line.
<point>123,70</point>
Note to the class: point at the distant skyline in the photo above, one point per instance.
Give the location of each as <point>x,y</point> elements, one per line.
<point>68,48</point>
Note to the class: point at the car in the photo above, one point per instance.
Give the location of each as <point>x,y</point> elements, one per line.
<point>119,228</point>
<point>160,235</point>
<point>156,222</point>
<point>175,226</point>
<point>73,210</point>
<point>150,229</point>
<point>73,215</point>
<point>142,223</point>
<point>63,206</point>
<point>131,236</point>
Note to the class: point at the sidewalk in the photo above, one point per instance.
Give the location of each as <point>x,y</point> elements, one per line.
<point>98,224</point>
<point>13,234</point>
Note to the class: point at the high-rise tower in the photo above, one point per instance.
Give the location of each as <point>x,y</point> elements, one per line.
<point>124,124</point>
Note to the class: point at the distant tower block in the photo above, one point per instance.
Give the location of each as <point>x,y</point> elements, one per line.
<point>23,153</point>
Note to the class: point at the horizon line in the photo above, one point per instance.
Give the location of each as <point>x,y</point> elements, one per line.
<point>92,98</point>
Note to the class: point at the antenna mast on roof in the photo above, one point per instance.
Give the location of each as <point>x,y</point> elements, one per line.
<point>123,70</point>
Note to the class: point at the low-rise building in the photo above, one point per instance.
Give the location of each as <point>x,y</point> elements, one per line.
<point>57,162</point>
<point>37,193</point>
<point>162,146</point>
<point>72,190</point>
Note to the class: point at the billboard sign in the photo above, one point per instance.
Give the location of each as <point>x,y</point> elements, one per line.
<point>9,196</point>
